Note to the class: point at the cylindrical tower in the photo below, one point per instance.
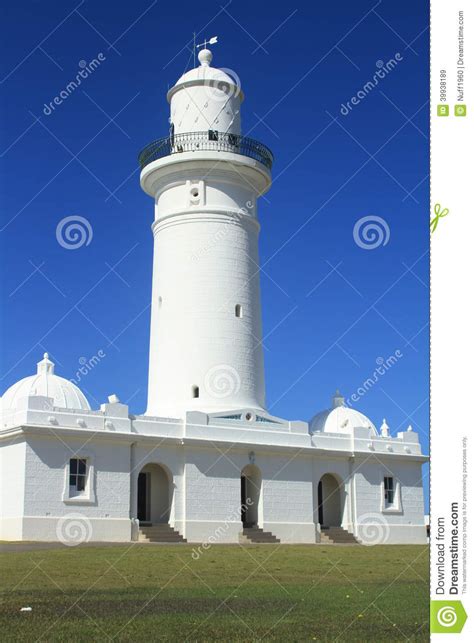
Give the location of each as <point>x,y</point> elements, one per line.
<point>206,332</point>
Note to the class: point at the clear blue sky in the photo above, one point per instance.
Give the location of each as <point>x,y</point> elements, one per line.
<point>330,307</point>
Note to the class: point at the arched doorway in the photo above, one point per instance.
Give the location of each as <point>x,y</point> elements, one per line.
<point>329,502</point>
<point>250,487</point>
<point>154,494</point>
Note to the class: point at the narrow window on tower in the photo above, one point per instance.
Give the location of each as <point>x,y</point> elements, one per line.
<point>195,391</point>
<point>238,310</point>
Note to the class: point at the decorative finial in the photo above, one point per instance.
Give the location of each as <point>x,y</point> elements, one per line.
<point>46,365</point>
<point>205,55</point>
<point>384,429</point>
<point>338,399</point>
<point>410,428</point>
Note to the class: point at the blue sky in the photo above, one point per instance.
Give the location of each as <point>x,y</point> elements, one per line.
<point>330,307</point>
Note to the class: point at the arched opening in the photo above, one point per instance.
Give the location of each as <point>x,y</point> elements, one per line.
<point>329,502</point>
<point>250,488</point>
<point>154,494</point>
<point>195,391</point>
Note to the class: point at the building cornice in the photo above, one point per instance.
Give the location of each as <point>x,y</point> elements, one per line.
<point>205,443</point>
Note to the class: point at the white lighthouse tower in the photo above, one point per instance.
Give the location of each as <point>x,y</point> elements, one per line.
<point>206,463</point>
<point>206,331</point>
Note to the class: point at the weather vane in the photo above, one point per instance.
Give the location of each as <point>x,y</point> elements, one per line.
<point>211,41</point>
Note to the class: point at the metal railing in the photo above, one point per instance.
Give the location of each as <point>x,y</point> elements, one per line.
<point>211,140</point>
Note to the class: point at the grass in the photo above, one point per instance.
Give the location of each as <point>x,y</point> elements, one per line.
<point>278,593</point>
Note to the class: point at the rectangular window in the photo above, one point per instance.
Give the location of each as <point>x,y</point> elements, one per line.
<point>213,135</point>
<point>77,474</point>
<point>388,491</point>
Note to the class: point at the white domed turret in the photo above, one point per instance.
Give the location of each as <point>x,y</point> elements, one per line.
<point>206,98</point>
<point>340,419</point>
<point>65,394</point>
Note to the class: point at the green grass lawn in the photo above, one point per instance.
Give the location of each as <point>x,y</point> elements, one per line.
<point>274,592</point>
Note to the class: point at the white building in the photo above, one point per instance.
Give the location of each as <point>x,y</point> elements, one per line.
<point>206,462</point>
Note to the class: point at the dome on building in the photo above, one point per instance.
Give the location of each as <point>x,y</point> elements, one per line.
<point>340,419</point>
<point>65,394</point>
<point>207,75</point>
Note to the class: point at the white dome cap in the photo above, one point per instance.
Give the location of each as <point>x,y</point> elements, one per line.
<point>207,75</point>
<point>65,394</point>
<point>340,419</point>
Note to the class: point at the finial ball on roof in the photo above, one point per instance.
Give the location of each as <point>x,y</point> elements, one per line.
<point>205,57</point>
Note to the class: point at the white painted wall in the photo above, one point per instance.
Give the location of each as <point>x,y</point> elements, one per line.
<point>213,495</point>
<point>404,523</point>
<point>201,108</point>
<point>204,490</point>
<point>205,262</point>
<point>106,515</point>
<point>12,490</point>
<point>212,486</point>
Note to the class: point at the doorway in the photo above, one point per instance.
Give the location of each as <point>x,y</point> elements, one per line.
<point>329,502</point>
<point>154,494</point>
<point>142,500</point>
<point>250,489</point>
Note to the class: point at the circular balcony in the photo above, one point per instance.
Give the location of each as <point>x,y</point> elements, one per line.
<point>209,141</point>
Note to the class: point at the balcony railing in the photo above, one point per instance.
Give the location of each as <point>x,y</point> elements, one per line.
<point>211,140</point>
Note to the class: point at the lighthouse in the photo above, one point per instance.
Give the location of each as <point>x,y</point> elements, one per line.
<point>205,178</point>
<point>206,462</point>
